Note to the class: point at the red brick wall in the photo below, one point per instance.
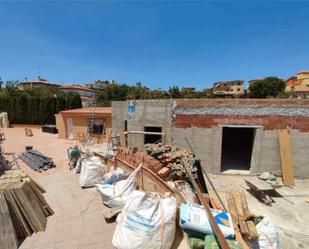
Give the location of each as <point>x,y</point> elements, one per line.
<point>268,122</point>
<point>242,102</point>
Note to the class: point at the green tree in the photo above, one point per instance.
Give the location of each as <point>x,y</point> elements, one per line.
<point>37,105</point>
<point>266,88</point>
<point>73,100</point>
<point>174,92</point>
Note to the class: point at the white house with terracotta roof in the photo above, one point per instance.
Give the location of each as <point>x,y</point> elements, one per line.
<point>87,95</point>
<point>36,83</point>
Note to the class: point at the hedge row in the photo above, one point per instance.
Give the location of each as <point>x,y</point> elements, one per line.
<point>36,106</point>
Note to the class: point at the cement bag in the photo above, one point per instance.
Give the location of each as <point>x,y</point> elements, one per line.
<point>268,235</point>
<point>114,175</point>
<point>146,222</point>
<point>115,195</point>
<point>193,217</point>
<point>91,172</point>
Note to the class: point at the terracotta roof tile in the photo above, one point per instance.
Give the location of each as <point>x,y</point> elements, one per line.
<point>88,110</point>
<point>77,87</point>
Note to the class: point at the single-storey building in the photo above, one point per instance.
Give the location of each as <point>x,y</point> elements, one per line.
<point>74,123</point>
<point>227,135</point>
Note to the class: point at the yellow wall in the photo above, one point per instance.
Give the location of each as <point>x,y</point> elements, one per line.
<point>60,126</point>
<point>301,84</point>
<point>80,124</point>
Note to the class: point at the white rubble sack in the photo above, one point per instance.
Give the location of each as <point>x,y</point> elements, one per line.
<point>91,171</point>
<point>147,221</point>
<point>268,236</point>
<point>115,195</point>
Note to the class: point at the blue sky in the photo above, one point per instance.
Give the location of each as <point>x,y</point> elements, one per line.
<point>159,43</point>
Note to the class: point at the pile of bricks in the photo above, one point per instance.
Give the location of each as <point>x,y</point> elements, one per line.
<point>167,161</point>
<point>134,157</point>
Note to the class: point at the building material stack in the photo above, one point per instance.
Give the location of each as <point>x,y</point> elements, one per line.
<point>173,160</point>
<point>36,160</point>
<point>243,219</point>
<point>24,207</point>
<point>167,161</point>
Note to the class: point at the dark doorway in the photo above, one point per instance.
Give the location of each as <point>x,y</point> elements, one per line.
<point>149,138</point>
<point>126,125</point>
<point>236,148</point>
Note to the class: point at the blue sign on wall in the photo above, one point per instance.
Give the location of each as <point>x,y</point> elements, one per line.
<point>131,108</point>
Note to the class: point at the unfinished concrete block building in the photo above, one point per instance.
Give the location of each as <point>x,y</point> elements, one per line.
<point>226,134</point>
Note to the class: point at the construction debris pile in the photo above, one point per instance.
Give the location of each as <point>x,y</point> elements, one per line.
<point>234,227</point>
<point>36,160</point>
<point>4,164</point>
<point>23,208</point>
<point>173,159</point>
<point>202,215</point>
<point>167,161</point>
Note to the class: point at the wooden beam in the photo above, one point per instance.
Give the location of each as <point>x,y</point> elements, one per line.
<point>215,227</point>
<point>286,157</point>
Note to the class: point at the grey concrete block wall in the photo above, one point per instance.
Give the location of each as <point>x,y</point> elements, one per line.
<point>147,113</point>
<point>300,153</point>
<point>267,156</point>
<point>207,142</point>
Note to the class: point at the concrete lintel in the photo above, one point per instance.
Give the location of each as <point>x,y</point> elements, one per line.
<point>241,126</point>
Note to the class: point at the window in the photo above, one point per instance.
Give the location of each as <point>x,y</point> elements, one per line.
<point>98,126</point>
<point>152,138</point>
<point>238,89</point>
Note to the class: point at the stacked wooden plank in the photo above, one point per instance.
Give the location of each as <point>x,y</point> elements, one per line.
<point>27,206</point>
<point>8,238</point>
<point>36,160</point>
<point>241,216</point>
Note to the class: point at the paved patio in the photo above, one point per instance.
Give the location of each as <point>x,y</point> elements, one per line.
<point>78,222</point>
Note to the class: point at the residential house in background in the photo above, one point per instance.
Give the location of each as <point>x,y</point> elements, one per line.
<point>99,84</point>
<point>87,95</point>
<point>36,83</point>
<point>298,84</point>
<point>232,88</point>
